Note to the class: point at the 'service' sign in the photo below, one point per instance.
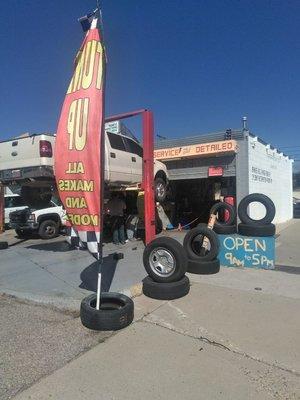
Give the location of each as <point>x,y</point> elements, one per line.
<point>247,252</point>
<point>196,150</point>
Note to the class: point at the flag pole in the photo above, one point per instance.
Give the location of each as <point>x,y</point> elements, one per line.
<point>102,164</point>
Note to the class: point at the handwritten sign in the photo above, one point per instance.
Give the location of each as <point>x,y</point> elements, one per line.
<point>247,252</point>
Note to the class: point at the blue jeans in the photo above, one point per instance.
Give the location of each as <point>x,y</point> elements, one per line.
<point>118,230</point>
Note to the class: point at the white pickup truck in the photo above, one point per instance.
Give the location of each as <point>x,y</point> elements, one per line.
<point>29,159</point>
<point>46,221</point>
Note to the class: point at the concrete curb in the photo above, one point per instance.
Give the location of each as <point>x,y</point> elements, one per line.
<point>64,304</point>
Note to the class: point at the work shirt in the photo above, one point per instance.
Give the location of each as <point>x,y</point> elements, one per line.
<point>115,207</point>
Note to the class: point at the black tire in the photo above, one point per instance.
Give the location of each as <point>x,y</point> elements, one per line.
<point>22,234</point>
<point>48,229</point>
<point>224,206</point>
<point>261,198</point>
<point>160,187</point>
<point>204,267</point>
<point>116,312</point>
<point>225,229</point>
<point>3,245</point>
<point>257,230</point>
<point>190,240</point>
<point>171,249</point>
<point>166,291</point>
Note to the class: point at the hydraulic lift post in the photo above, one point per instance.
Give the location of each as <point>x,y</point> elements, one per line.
<point>148,167</point>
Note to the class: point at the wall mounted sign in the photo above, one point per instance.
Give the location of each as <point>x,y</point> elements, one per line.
<point>215,171</point>
<point>247,251</point>
<point>196,150</point>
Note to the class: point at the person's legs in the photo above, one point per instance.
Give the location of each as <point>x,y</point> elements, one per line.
<point>115,231</point>
<point>122,233</point>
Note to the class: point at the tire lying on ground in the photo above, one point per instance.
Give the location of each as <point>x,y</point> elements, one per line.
<point>204,267</point>
<point>193,241</point>
<point>256,230</point>
<point>116,312</point>
<point>224,206</point>
<point>225,229</point>
<point>3,245</point>
<point>165,260</point>
<point>166,291</point>
<point>260,198</point>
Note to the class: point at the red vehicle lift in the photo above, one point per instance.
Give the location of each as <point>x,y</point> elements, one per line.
<point>148,167</point>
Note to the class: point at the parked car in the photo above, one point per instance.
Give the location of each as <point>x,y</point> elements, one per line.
<point>31,157</point>
<point>12,202</point>
<point>46,222</point>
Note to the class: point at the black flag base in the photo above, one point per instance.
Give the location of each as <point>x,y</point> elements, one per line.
<point>116,311</point>
<point>3,245</point>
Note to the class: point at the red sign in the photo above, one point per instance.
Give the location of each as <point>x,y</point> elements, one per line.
<point>215,171</point>
<point>79,139</point>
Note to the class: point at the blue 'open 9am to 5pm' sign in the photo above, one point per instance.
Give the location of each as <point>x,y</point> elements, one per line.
<point>248,252</point>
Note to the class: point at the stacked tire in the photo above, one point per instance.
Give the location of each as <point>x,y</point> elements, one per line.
<point>166,263</point>
<point>202,260</point>
<point>256,227</point>
<point>227,227</point>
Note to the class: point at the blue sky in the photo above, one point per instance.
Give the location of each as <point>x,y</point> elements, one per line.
<point>199,65</point>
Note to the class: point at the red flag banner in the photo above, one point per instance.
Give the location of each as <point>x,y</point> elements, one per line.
<point>78,159</point>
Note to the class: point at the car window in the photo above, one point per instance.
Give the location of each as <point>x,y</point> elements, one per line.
<point>134,147</point>
<point>14,201</point>
<point>116,141</point>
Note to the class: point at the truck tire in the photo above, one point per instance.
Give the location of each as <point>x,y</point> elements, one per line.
<point>225,229</point>
<point>257,230</point>
<point>165,260</point>
<point>225,206</point>
<point>204,267</point>
<point>166,291</point>
<point>22,234</point>
<point>48,229</point>
<point>116,312</point>
<point>191,239</point>
<point>260,198</point>
<point>160,187</point>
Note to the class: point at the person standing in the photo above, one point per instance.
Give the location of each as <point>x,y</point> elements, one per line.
<point>115,208</point>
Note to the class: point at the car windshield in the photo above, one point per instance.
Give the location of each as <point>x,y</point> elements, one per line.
<point>14,201</point>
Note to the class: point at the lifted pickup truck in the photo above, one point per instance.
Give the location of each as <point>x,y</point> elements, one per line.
<point>46,222</point>
<point>29,160</point>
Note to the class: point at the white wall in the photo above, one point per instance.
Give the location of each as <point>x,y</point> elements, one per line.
<point>271,174</point>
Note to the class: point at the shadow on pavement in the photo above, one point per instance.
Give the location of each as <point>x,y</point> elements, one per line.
<point>287,269</point>
<point>51,246</point>
<point>89,275</point>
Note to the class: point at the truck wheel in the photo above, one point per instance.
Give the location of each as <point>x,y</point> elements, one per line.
<point>165,260</point>
<point>193,240</point>
<point>116,312</point>
<point>48,229</point>
<point>260,198</point>
<point>257,230</point>
<point>204,267</point>
<point>22,234</point>
<point>219,206</point>
<point>160,190</point>
<point>166,291</point>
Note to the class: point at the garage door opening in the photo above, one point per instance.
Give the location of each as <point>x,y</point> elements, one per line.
<point>191,200</point>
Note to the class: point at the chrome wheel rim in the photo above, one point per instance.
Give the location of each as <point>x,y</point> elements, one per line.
<point>160,190</point>
<point>50,230</point>
<point>162,262</point>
